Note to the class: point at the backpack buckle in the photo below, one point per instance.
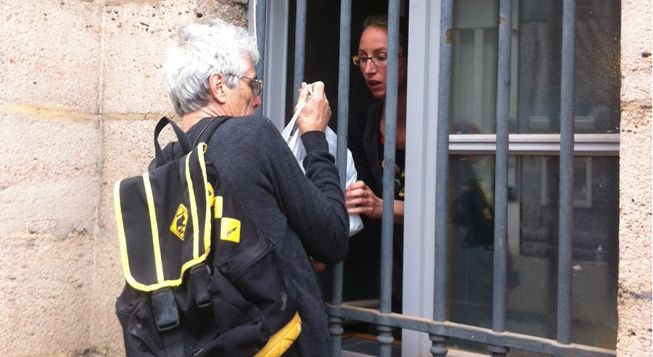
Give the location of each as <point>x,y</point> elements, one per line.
<point>164,308</point>
<point>200,278</point>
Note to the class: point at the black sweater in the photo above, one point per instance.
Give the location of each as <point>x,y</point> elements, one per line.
<point>364,141</point>
<point>304,214</point>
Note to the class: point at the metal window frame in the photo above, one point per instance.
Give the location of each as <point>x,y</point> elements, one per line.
<point>275,40</point>
<point>421,150</point>
<point>420,227</point>
<point>535,144</point>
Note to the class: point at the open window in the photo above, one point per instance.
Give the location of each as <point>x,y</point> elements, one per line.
<point>533,174</point>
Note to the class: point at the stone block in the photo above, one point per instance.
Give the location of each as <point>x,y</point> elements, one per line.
<point>45,295</point>
<point>108,281</point>
<point>48,171</point>
<point>50,53</point>
<point>136,36</point>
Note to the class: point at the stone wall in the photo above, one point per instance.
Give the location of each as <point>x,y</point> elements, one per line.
<point>49,159</point>
<point>634,299</point>
<point>81,88</point>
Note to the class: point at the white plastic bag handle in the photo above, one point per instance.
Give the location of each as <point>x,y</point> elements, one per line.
<point>297,147</point>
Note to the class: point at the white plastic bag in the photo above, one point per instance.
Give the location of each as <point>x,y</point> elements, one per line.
<point>297,147</point>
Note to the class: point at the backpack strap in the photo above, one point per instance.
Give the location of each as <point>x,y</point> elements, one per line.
<point>170,152</point>
<point>209,129</point>
<point>182,138</point>
<point>199,280</point>
<point>166,317</point>
<point>200,275</point>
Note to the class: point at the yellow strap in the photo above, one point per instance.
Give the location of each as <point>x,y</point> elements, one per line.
<point>193,209</point>
<point>282,339</point>
<point>208,194</point>
<point>154,227</point>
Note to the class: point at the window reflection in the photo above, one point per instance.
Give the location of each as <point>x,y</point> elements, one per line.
<point>596,71</point>
<point>535,62</point>
<point>533,181</point>
<point>532,246</point>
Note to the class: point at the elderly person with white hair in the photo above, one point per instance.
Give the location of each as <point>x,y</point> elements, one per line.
<point>210,73</point>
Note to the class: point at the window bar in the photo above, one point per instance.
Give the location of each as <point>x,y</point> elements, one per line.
<point>566,210</point>
<point>387,223</point>
<point>300,46</point>
<point>260,13</point>
<point>439,343</point>
<point>501,174</point>
<point>344,65</point>
<point>261,24</point>
<point>335,327</point>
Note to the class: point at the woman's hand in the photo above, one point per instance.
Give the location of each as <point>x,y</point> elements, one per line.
<point>359,199</point>
<point>316,112</point>
<point>318,266</point>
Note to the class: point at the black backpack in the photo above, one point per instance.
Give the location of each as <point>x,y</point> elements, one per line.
<point>201,281</point>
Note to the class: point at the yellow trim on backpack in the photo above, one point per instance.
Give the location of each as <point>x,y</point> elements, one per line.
<point>123,241</point>
<point>211,191</point>
<point>217,209</point>
<point>121,233</point>
<point>282,339</point>
<point>193,208</point>
<point>155,230</point>
<point>161,282</point>
<point>208,195</point>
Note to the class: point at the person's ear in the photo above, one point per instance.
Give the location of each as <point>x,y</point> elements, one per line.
<point>216,87</point>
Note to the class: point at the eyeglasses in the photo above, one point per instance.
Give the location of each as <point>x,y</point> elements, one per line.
<point>379,59</point>
<point>254,83</point>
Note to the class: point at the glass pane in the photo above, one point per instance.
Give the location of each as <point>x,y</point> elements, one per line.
<point>532,246</point>
<point>474,67</point>
<point>596,72</point>
<point>472,235</point>
<point>535,62</point>
<point>595,249</point>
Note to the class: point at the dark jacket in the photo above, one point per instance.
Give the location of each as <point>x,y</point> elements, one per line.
<point>364,141</point>
<point>304,214</point>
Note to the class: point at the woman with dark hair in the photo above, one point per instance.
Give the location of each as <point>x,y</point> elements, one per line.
<point>366,140</point>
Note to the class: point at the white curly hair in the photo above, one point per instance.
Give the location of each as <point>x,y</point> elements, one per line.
<point>200,51</point>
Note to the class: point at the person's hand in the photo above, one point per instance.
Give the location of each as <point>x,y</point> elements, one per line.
<point>318,266</point>
<point>315,113</point>
<point>359,199</point>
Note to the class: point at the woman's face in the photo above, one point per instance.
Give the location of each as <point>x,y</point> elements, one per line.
<point>374,41</point>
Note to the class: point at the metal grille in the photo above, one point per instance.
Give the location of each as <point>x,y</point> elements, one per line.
<point>439,329</point>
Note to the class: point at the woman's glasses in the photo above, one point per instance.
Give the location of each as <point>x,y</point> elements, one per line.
<point>379,59</point>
